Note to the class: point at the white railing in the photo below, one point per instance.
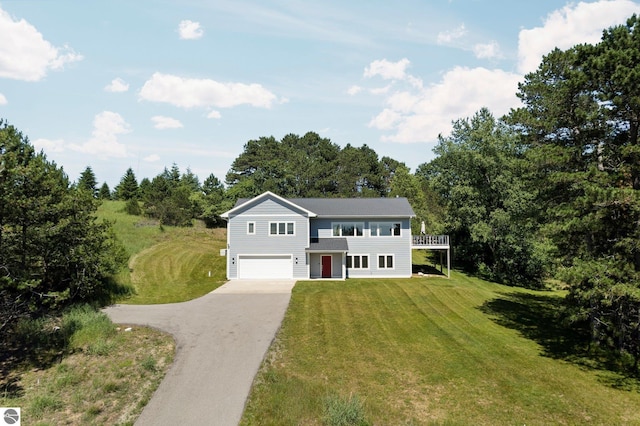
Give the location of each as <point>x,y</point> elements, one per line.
<point>430,240</point>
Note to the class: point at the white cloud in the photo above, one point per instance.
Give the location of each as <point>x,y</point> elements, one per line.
<point>386,120</point>
<point>214,114</point>
<point>25,54</point>
<point>3,100</point>
<point>387,70</point>
<point>487,51</point>
<point>151,158</point>
<point>104,139</point>
<point>190,30</point>
<point>445,37</point>
<point>421,115</point>
<point>161,122</point>
<point>48,145</point>
<point>354,90</point>
<point>192,92</point>
<point>117,85</point>
<point>571,25</point>
<point>380,90</point>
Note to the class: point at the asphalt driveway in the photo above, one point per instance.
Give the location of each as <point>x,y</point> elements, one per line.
<point>221,339</point>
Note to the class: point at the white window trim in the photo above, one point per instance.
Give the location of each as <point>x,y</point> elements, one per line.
<point>355,223</point>
<point>286,223</point>
<point>249,228</point>
<point>385,267</point>
<point>360,256</point>
<point>377,225</point>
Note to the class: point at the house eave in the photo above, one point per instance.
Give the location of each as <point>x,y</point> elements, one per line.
<point>266,194</point>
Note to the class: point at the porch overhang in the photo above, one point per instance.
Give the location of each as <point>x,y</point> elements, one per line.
<point>327,245</point>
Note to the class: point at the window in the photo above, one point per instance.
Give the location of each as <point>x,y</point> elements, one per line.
<point>348,229</point>
<point>282,228</point>
<point>251,228</point>
<point>385,261</point>
<point>358,262</point>
<point>385,229</point>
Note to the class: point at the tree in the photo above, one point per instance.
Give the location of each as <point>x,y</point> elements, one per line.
<point>478,176</point>
<point>308,166</point>
<point>104,193</point>
<point>53,253</point>
<point>214,202</point>
<point>422,198</point>
<point>88,182</point>
<point>172,199</point>
<point>580,123</point>
<point>359,173</point>
<point>128,186</point>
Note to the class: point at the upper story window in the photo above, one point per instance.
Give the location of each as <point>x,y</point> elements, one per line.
<point>251,228</point>
<point>282,228</point>
<point>385,229</point>
<point>348,229</point>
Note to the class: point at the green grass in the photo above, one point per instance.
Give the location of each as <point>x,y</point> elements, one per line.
<point>167,264</point>
<point>433,351</point>
<point>83,369</point>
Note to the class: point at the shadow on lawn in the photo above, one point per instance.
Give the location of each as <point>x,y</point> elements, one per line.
<point>427,270</point>
<point>540,318</point>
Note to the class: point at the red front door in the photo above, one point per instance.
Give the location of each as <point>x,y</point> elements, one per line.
<point>326,266</point>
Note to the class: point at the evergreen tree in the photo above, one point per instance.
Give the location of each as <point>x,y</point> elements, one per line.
<point>88,182</point>
<point>128,186</point>
<point>214,202</point>
<point>580,121</point>
<point>105,192</point>
<point>53,253</point>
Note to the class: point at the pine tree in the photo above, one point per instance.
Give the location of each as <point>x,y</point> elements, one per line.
<point>53,253</point>
<point>88,182</point>
<point>128,186</point>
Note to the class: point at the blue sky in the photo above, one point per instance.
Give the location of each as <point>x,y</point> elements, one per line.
<point>145,84</point>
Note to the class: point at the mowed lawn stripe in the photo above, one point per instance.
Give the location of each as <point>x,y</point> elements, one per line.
<point>421,351</point>
<point>178,270</point>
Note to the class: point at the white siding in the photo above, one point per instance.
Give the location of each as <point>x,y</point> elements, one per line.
<point>261,243</point>
<point>400,246</point>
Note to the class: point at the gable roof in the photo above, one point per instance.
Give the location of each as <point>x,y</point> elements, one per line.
<point>340,207</point>
<point>245,202</point>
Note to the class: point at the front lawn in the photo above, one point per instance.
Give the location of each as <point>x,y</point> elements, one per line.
<point>432,351</point>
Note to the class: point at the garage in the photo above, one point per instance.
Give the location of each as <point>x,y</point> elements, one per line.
<point>265,266</point>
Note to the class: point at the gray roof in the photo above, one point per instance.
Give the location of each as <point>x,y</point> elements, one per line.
<point>353,207</point>
<point>328,244</point>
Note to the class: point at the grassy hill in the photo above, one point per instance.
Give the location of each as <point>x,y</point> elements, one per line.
<point>167,264</point>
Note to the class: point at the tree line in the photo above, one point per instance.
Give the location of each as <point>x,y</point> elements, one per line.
<point>305,166</point>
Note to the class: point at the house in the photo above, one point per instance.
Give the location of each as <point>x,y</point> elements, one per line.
<point>272,237</point>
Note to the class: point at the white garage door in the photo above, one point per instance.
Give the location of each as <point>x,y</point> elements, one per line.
<point>264,267</point>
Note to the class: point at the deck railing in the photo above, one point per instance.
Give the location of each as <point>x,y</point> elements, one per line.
<point>430,240</point>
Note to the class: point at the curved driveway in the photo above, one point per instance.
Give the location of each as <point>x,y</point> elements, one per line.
<point>221,339</point>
